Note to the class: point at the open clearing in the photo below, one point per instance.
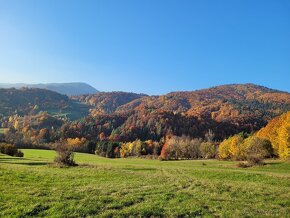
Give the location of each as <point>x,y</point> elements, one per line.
<point>101,187</point>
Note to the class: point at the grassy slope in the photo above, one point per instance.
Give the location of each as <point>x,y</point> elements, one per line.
<point>122,187</point>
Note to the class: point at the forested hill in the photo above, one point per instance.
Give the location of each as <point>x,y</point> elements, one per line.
<point>27,101</point>
<point>227,110</point>
<point>108,102</point>
<point>121,116</point>
<point>221,103</point>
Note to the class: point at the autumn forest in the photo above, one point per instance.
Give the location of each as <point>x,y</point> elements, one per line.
<point>222,122</point>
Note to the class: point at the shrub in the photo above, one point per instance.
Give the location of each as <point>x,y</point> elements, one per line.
<point>10,150</point>
<point>257,149</point>
<point>65,155</point>
<point>19,154</point>
<point>207,150</point>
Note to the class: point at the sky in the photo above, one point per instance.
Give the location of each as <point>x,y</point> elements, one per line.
<point>146,46</point>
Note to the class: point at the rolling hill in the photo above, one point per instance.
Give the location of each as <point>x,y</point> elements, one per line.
<point>26,101</point>
<point>121,116</point>
<point>221,103</point>
<point>226,109</point>
<point>108,102</point>
<point>69,89</point>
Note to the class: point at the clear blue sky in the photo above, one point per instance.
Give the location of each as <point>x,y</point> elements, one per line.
<point>149,46</point>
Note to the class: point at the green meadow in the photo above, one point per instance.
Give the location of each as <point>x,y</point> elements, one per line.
<point>33,187</point>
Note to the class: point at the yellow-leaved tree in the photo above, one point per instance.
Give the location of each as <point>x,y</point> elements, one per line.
<point>231,148</point>
<point>75,142</point>
<point>277,132</point>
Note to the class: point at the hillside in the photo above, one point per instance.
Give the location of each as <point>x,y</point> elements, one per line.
<point>121,116</point>
<point>221,103</point>
<point>26,101</point>
<point>108,102</point>
<point>62,88</point>
<point>226,109</point>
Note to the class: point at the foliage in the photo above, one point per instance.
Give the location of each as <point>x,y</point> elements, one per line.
<point>128,117</point>
<point>65,155</point>
<point>108,149</point>
<point>10,150</point>
<point>253,149</point>
<point>257,149</point>
<point>181,148</point>
<point>277,132</point>
<point>208,150</point>
<point>107,102</point>
<point>231,148</point>
<point>138,148</point>
<point>132,149</point>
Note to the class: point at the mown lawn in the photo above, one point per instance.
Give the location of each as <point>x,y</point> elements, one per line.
<point>101,187</point>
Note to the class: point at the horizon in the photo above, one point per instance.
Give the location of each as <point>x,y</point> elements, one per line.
<point>193,90</point>
<point>146,47</point>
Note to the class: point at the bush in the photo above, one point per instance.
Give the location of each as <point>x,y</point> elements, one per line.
<point>10,150</point>
<point>19,154</point>
<point>65,155</point>
<point>257,149</point>
<point>208,150</point>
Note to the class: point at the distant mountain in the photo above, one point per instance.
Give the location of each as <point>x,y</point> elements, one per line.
<point>27,101</point>
<point>69,89</point>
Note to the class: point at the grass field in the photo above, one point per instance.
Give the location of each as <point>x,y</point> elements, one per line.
<point>101,187</point>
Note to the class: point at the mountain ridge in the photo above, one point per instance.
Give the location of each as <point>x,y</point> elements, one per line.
<point>226,110</point>
<point>70,89</point>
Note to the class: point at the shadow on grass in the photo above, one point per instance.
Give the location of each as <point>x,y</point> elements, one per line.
<point>140,169</point>
<point>33,163</point>
<point>12,158</point>
<point>16,161</point>
<point>273,163</point>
